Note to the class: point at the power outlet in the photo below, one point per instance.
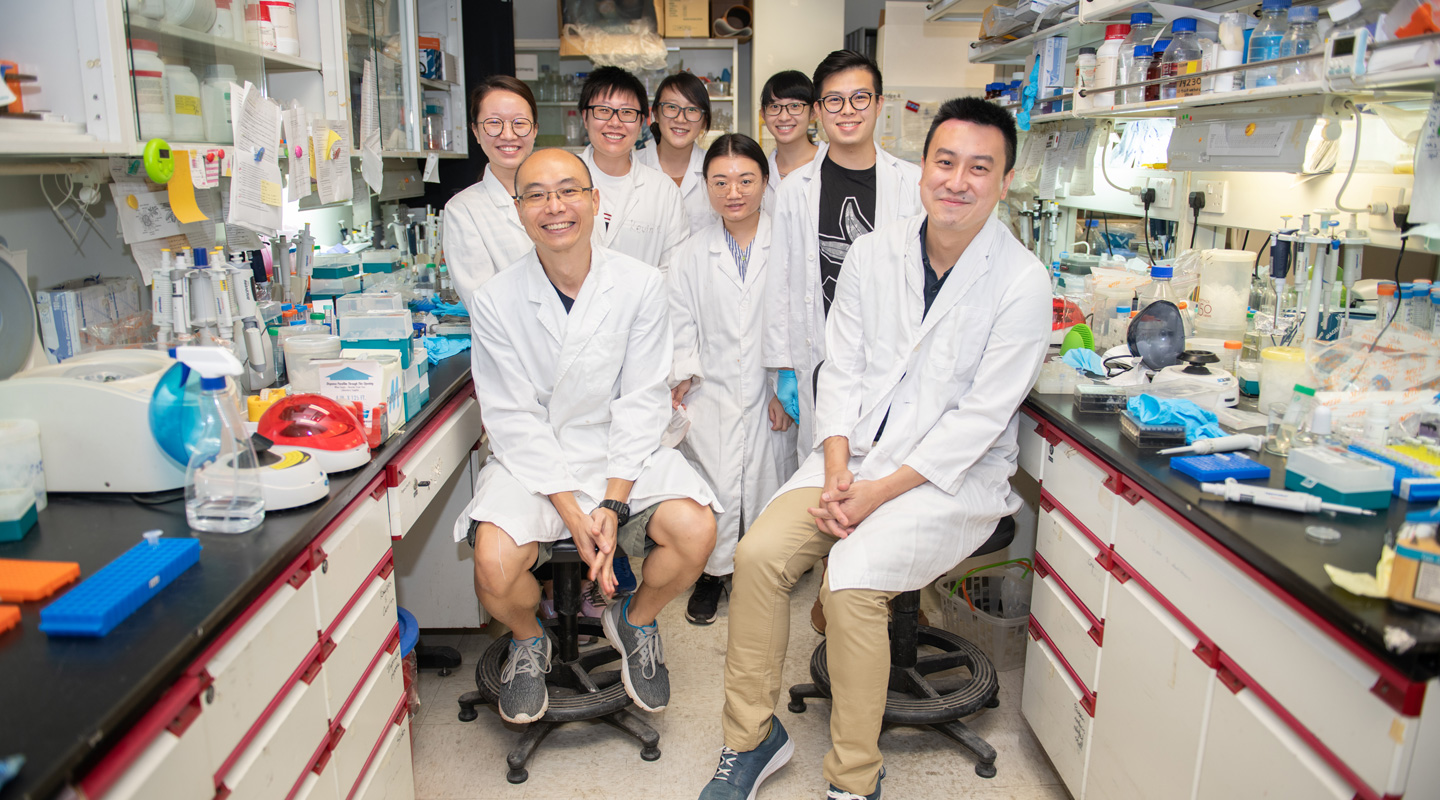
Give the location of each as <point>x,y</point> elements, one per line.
<point>1391,196</point>
<point>1214,196</point>
<point>1164,191</point>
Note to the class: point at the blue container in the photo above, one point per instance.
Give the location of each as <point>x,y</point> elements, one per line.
<point>105,599</point>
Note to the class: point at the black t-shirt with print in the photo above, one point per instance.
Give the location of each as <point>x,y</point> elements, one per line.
<point>847,211</point>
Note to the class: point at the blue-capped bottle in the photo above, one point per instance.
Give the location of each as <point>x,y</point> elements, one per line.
<point>1143,30</point>
<point>1265,43</point>
<point>1181,59</point>
<point>1303,38</point>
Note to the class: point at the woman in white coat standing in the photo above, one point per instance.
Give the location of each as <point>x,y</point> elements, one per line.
<point>740,439</point>
<point>482,233</point>
<point>787,106</point>
<point>679,116</point>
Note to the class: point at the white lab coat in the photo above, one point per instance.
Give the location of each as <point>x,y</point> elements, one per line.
<point>698,210</point>
<point>482,235</point>
<point>795,304</point>
<point>571,400</point>
<point>718,320</point>
<point>772,188</point>
<point>651,225</point>
<point>951,384</point>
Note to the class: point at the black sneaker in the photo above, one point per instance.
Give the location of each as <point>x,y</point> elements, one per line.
<point>523,696</point>
<point>704,600</point>
<point>642,664</point>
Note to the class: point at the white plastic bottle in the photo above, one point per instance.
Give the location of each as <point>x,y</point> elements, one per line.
<point>222,484</point>
<point>1107,63</point>
<point>1085,65</point>
<point>1143,30</point>
<point>1182,58</point>
<point>1265,43</point>
<point>215,103</point>
<point>224,25</point>
<point>1303,38</point>
<point>287,35</point>
<point>185,112</point>
<point>152,90</point>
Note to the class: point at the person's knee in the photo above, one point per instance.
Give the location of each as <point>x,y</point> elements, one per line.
<point>685,525</point>
<point>855,606</point>
<point>498,568</point>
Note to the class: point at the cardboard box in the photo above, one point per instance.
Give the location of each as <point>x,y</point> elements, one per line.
<point>1415,573</point>
<point>687,19</point>
<point>67,309</point>
<point>368,381</point>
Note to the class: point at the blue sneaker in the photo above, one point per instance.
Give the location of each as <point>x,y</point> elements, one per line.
<point>740,774</point>
<point>625,582</point>
<point>841,794</point>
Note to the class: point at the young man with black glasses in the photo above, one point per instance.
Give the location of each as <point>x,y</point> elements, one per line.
<point>642,213</point>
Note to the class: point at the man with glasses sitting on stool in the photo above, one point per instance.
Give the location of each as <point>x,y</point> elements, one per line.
<point>572,351</point>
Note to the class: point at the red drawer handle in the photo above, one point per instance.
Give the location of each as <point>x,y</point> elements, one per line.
<point>1097,633</point>
<point>1232,681</point>
<point>1209,654</point>
<point>327,646</point>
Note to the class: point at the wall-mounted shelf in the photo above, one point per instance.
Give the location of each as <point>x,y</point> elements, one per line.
<point>274,62</point>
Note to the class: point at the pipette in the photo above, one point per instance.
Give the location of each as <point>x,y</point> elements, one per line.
<point>1236,492</point>
<point>1220,444</point>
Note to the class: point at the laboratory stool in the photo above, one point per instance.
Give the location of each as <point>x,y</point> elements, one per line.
<point>915,698</point>
<point>577,690</point>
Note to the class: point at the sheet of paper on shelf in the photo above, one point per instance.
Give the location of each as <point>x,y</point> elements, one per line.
<point>1032,156</point>
<point>254,186</point>
<point>1425,197</point>
<point>144,214</point>
<point>527,66</point>
<point>1082,180</point>
<point>432,169</point>
<point>204,166</point>
<point>125,168</point>
<point>236,237</point>
<point>371,167</point>
<point>1067,156</point>
<point>147,254</point>
<point>297,145</point>
<point>1050,166</point>
<point>331,141</point>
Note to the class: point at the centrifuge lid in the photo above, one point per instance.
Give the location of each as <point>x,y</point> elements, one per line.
<point>17,319</point>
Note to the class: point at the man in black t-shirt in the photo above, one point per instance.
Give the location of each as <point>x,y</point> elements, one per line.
<point>847,205</point>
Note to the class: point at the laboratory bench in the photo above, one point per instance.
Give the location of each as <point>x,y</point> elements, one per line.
<point>243,677</point>
<point>1183,646</point>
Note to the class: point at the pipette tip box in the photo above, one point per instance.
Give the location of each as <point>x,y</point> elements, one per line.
<point>1147,437</point>
<point>1415,480</point>
<point>106,598</point>
<point>23,580</point>
<point>1215,468</point>
<point>9,617</point>
<point>1339,476</point>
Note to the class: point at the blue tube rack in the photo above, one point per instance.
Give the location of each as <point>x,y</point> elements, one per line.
<point>1415,480</point>
<point>1215,468</point>
<point>102,601</point>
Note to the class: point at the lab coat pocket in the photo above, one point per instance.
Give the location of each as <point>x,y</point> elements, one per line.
<point>957,341</point>
<point>604,355</point>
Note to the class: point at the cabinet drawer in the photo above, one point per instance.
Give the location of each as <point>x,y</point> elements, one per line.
<point>391,775</point>
<point>1074,633</point>
<point>366,718</point>
<point>273,762</point>
<point>1056,709</point>
<point>251,669</point>
<point>425,464</point>
<point>1323,685</point>
<point>172,766</point>
<point>1072,554</point>
<point>1076,482</point>
<point>318,787</point>
<point>1249,752</point>
<point>348,554</point>
<point>1031,458</point>
<point>358,637</point>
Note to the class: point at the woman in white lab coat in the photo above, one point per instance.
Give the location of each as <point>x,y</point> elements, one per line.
<point>680,116</point>
<point>482,233</point>
<point>787,104</point>
<point>740,439</point>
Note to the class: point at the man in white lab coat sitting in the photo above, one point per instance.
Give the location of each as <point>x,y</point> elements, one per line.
<point>572,350</point>
<point>937,331</point>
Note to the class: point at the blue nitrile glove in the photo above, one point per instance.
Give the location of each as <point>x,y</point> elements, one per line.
<point>439,348</point>
<point>438,308</point>
<point>787,388</point>
<point>1084,360</point>
<point>1199,423</point>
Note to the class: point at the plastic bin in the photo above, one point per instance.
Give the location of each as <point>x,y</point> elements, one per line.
<point>365,302</point>
<point>990,606</point>
<point>377,325</point>
<point>409,637</point>
<point>322,287</point>
<point>335,266</point>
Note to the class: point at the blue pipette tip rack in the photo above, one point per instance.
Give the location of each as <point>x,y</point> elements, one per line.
<point>1216,467</point>
<point>105,599</point>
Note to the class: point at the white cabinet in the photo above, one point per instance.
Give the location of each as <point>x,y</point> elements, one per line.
<point>421,470</point>
<point>1059,710</point>
<point>1249,752</point>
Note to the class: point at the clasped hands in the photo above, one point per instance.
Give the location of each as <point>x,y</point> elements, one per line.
<point>595,536</point>
<point>846,502</point>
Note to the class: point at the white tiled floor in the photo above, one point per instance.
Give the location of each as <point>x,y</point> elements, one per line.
<point>463,760</point>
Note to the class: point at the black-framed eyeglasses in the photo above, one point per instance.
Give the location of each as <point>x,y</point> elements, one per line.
<point>793,108</point>
<point>495,126</point>
<point>606,112</point>
<point>672,111</point>
<point>835,103</point>
<point>537,198</point>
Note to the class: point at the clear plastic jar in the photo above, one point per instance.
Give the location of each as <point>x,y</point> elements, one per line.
<point>1181,58</point>
<point>152,89</point>
<point>1265,43</point>
<point>1302,38</point>
<point>186,118</point>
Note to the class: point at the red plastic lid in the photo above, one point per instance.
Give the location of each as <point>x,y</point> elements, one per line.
<point>1386,289</point>
<point>1231,344</point>
<point>222,3</point>
<point>1117,31</point>
<point>144,44</point>
<point>312,420</point>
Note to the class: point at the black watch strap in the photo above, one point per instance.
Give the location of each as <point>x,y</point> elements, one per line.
<point>622,511</point>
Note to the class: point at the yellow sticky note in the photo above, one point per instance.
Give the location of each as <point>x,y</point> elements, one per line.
<point>331,139</point>
<point>311,155</point>
<point>182,192</point>
<point>270,193</point>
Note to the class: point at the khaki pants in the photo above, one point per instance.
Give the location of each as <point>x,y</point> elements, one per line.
<point>777,549</point>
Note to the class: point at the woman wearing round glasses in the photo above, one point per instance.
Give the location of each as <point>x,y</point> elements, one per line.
<point>482,233</point>
<point>740,439</point>
<point>787,105</point>
<point>681,115</point>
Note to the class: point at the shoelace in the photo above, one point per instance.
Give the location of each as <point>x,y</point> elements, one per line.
<point>840,794</point>
<point>727,763</point>
<point>526,658</point>
<point>648,647</point>
<point>595,596</point>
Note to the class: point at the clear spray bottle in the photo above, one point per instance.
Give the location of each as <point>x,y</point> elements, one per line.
<point>222,484</point>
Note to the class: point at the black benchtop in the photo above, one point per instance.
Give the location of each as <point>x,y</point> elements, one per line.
<point>64,702</point>
<point>1270,540</point>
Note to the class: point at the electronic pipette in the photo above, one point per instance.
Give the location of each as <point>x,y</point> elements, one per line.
<point>1236,492</point>
<point>1220,444</point>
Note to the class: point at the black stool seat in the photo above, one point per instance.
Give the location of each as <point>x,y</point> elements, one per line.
<point>579,688</point>
<point>915,697</point>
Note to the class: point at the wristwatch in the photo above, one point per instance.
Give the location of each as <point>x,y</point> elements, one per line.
<point>622,511</point>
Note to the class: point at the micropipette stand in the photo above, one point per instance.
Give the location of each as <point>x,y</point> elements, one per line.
<point>1352,247</point>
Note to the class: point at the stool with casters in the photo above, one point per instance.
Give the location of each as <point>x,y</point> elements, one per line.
<point>584,682</point>
<point>916,654</point>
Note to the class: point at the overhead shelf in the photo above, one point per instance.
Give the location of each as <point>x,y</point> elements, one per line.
<point>957,10</point>
<point>1080,23</point>
<point>274,62</point>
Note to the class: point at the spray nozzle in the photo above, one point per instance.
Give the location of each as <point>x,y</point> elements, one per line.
<point>213,364</point>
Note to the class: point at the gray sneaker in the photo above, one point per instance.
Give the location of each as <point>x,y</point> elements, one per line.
<point>642,665</point>
<point>523,697</point>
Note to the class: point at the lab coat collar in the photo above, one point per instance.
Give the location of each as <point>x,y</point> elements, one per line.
<point>638,176</point>
<point>974,264</point>
<point>499,194</point>
<point>721,259</point>
<point>574,330</point>
<point>887,182</point>
<point>694,173</point>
